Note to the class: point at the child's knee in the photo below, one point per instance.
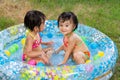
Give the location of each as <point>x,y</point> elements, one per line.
<point>78,55</point>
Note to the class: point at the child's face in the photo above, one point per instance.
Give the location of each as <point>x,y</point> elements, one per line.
<point>66,27</point>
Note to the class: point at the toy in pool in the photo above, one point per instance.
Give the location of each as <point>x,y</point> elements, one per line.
<point>100,65</point>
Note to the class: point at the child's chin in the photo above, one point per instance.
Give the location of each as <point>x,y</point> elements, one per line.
<point>64,33</point>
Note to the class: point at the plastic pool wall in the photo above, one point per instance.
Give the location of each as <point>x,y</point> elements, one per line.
<point>12,67</point>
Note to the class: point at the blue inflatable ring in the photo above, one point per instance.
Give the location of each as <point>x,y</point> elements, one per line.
<point>102,61</point>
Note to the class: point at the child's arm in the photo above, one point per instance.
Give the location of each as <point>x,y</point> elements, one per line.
<point>59,49</point>
<point>47,43</point>
<point>69,50</point>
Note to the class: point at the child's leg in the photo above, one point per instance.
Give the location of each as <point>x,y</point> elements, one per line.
<point>79,57</point>
<point>49,53</point>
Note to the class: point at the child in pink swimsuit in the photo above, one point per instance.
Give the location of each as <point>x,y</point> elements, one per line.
<point>72,43</point>
<point>35,21</point>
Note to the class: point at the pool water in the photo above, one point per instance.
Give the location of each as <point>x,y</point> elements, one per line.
<point>55,58</point>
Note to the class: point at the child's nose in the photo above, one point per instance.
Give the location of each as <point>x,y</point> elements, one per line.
<point>64,28</point>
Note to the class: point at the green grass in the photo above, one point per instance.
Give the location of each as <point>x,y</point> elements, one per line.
<point>6,22</point>
<point>104,15</point>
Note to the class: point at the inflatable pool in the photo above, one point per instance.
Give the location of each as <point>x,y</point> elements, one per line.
<point>101,65</point>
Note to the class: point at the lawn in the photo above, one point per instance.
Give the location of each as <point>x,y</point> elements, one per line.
<point>104,15</point>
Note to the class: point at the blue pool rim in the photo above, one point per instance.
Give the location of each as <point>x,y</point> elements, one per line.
<point>96,69</point>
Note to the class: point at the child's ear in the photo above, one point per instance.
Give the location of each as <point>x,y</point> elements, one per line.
<point>74,27</point>
<point>35,28</point>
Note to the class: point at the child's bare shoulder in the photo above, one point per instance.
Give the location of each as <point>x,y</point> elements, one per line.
<point>73,38</point>
<point>29,38</point>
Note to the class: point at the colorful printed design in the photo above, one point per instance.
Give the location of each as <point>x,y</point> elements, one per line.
<point>100,65</point>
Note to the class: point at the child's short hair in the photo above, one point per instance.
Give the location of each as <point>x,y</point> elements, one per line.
<point>33,18</point>
<point>68,16</point>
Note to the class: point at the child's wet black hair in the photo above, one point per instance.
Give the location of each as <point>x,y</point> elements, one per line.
<point>33,18</point>
<point>68,16</point>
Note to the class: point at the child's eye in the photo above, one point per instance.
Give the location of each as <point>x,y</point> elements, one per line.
<point>67,25</point>
<point>60,25</point>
